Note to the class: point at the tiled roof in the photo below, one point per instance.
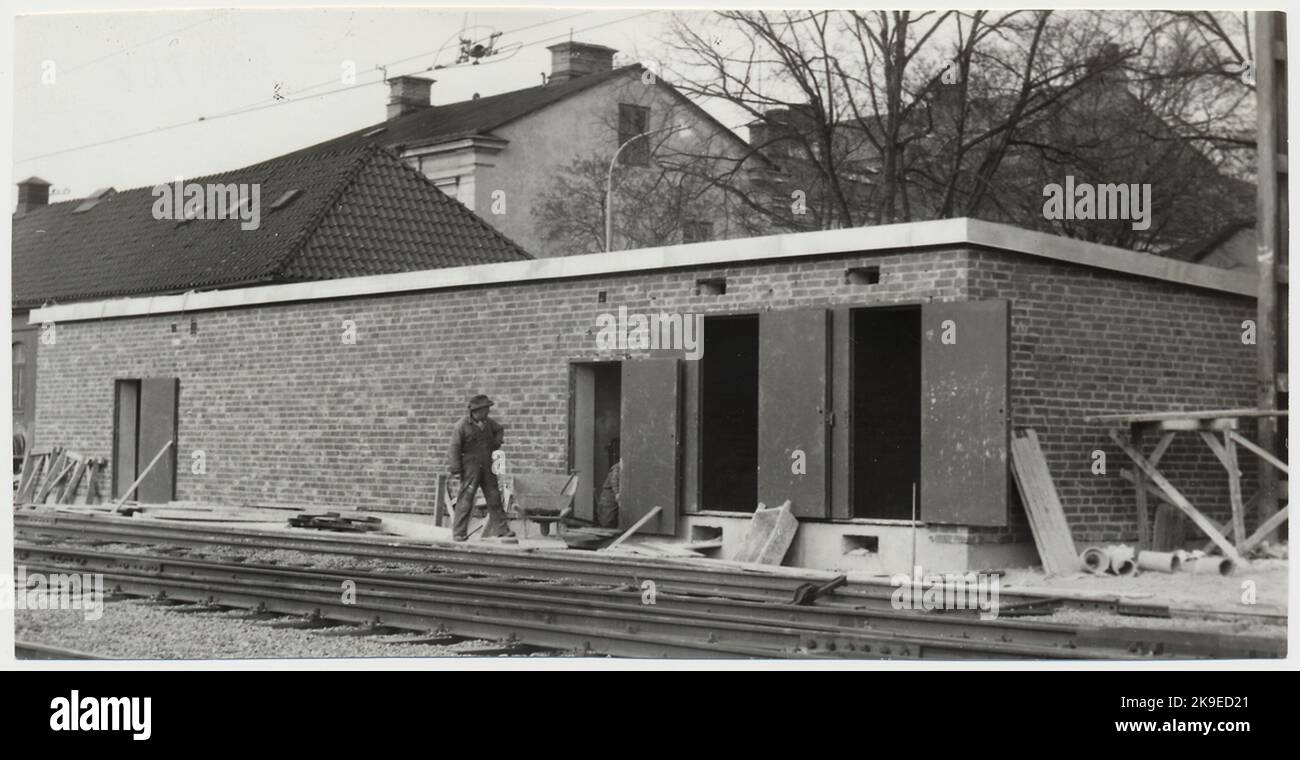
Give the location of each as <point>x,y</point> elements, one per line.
<point>361,211</point>
<point>478,116</point>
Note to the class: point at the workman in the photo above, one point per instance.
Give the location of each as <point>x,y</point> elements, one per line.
<point>469,457</point>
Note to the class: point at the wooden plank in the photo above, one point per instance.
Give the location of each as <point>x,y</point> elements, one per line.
<point>22,470</point>
<point>1043,505</point>
<point>126,435</point>
<point>121,499</point>
<point>70,488</point>
<point>440,509</point>
<point>647,517</point>
<point>30,475</point>
<point>93,467</point>
<point>1267,457</point>
<point>1145,527</point>
<point>1265,529</point>
<point>1201,415</point>
<point>53,475</point>
<point>1234,489</point>
<point>1140,487</point>
<point>1177,498</point>
<point>1158,452</point>
<point>1225,423</point>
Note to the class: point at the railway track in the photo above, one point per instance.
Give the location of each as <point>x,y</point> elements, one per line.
<point>30,650</point>
<point>731,582</point>
<point>608,619</point>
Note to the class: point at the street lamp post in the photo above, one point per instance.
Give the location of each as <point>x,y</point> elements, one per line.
<point>609,178</point>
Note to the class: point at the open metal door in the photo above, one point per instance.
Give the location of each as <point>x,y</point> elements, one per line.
<point>650,445</point>
<point>793,411</point>
<point>584,451</point>
<point>157,427</point>
<point>964,412</point>
<point>126,435</point>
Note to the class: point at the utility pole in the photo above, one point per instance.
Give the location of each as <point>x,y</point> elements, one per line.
<point>1271,234</point>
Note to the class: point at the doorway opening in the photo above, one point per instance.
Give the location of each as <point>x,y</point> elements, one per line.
<point>729,414</point>
<point>886,421</point>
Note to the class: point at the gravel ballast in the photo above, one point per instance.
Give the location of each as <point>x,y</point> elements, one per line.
<point>138,630</point>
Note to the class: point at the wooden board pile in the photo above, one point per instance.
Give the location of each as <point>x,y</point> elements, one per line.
<point>333,521</point>
<point>57,475</point>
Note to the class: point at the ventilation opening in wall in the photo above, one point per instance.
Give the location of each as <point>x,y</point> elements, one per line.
<point>859,546</point>
<point>601,297</point>
<point>862,275</point>
<point>711,286</point>
<point>705,533</point>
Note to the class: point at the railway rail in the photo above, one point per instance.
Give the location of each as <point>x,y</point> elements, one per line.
<point>30,650</point>
<point>732,582</point>
<point>612,619</point>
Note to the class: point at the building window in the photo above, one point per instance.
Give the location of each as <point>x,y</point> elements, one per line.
<point>696,232</point>
<point>19,365</point>
<point>633,121</point>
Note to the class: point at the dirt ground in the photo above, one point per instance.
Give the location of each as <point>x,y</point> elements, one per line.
<point>1259,586</point>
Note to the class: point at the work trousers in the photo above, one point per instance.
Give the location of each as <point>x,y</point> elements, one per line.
<point>471,481</point>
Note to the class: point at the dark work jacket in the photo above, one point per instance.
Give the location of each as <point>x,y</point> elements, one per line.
<point>471,447</point>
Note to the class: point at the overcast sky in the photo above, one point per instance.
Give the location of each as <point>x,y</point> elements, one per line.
<point>122,74</point>
<point>130,87</point>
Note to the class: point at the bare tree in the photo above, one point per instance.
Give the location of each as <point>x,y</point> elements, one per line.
<point>881,116</point>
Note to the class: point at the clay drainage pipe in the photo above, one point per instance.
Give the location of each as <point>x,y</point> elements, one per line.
<point>1160,562</point>
<point>1210,565</point>
<point>1094,560</point>
<point>1121,560</point>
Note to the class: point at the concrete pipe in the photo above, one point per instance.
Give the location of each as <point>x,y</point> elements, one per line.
<point>1208,565</point>
<point>1159,562</point>
<point>1094,560</point>
<point>1121,560</point>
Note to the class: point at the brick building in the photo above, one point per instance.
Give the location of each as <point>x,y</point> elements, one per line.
<point>880,360</point>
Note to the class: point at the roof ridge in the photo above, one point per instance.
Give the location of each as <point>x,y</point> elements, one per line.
<point>286,159</point>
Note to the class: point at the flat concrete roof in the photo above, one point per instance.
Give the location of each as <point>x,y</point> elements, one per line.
<point>891,237</point>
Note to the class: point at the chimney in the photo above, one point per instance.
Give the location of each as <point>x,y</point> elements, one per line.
<point>33,193</point>
<point>407,95</point>
<point>1107,63</point>
<point>570,60</point>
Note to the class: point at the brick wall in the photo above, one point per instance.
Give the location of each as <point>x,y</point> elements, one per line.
<point>1089,341</point>
<point>286,413</point>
